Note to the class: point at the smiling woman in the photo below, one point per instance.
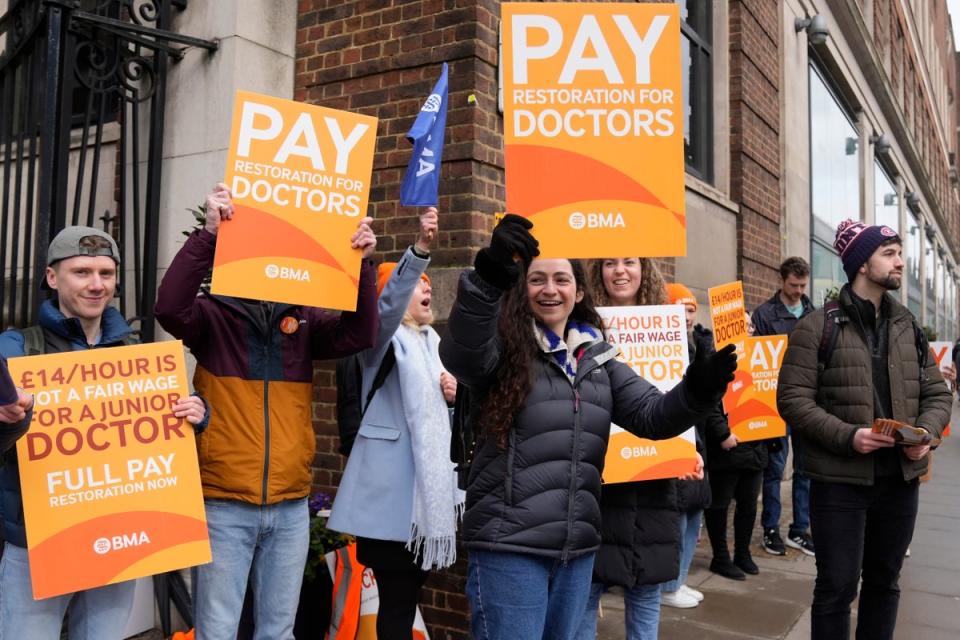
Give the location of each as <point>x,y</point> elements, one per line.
<point>525,337</point>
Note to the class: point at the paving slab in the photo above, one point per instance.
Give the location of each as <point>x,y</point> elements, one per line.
<point>775,604</point>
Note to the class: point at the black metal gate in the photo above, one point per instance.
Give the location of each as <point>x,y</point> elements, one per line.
<point>82,93</point>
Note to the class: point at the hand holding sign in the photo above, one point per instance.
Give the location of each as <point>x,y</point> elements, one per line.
<point>364,238</point>
<point>708,375</point>
<point>218,206</point>
<point>17,410</point>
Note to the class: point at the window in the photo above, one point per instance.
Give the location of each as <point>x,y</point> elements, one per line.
<point>696,50</point>
<point>834,181</point>
<point>885,199</point>
<point>941,293</point>
<point>912,248</point>
<point>929,290</point>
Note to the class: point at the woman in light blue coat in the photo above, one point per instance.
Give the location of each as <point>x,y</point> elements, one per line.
<point>399,495</point>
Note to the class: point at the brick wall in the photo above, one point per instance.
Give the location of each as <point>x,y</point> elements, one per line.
<point>755,143</point>
<point>382,59</point>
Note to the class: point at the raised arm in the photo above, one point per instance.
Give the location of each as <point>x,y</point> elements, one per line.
<point>470,350</point>
<point>178,309</point>
<point>396,294</point>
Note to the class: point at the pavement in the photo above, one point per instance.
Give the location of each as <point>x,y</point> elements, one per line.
<point>776,603</point>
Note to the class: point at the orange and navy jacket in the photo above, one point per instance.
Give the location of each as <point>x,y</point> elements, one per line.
<point>254,367</point>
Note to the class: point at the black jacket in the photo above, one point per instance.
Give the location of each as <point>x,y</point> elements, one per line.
<point>772,318</point>
<point>541,494</point>
<point>746,456</point>
<point>640,527</point>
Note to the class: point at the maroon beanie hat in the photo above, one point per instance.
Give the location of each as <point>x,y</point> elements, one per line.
<point>856,242</point>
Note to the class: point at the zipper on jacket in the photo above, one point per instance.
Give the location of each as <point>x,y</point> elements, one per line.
<point>574,457</point>
<point>266,419</point>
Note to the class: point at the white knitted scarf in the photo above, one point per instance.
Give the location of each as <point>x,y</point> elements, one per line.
<point>437,502</point>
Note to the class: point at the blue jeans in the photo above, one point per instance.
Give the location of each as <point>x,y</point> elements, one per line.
<point>689,530</point>
<point>520,596</point>
<point>95,614</point>
<point>641,612</point>
<point>773,476</point>
<point>267,543</point>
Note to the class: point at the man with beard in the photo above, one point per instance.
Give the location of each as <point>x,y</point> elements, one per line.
<point>863,485</point>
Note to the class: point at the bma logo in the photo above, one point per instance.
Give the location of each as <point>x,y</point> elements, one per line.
<point>273,272</point>
<point>638,452</point>
<point>102,546</point>
<point>432,103</point>
<point>595,220</point>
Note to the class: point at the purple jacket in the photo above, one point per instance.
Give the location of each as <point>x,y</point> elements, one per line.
<point>258,379</point>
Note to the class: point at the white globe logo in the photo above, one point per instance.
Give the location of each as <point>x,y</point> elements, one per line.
<point>101,546</point>
<point>626,453</point>
<point>577,220</point>
<point>272,271</point>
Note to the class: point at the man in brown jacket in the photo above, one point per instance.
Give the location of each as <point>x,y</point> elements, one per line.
<point>864,488</point>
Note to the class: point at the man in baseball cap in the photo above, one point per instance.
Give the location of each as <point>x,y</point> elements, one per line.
<point>82,265</point>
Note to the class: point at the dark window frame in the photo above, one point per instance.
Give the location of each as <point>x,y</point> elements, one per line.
<point>698,158</point>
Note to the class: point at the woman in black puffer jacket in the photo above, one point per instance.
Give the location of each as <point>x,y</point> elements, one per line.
<point>736,473</point>
<point>524,337</point>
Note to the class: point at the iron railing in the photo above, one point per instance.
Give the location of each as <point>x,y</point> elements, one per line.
<point>82,93</point>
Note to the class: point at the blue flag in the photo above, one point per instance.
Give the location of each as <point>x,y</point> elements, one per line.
<point>422,180</point>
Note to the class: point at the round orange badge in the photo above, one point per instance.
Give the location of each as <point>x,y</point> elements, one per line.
<point>289,325</point>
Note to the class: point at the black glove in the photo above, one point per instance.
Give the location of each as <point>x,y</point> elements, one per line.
<point>511,240</point>
<point>709,374</point>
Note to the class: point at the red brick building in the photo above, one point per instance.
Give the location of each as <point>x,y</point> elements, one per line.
<point>783,131</point>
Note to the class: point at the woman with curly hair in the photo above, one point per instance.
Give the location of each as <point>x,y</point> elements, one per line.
<point>524,336</point>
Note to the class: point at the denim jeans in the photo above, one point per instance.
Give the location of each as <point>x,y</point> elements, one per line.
<point>689,530</point>
<point>860,531</point>
<point>94,614</point>
<point>266,543</point>
<point>520,596</point>
<point>641,612</point>
<point>773,477</point>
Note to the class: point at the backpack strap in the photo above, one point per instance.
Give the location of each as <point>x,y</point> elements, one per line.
<point>386,366</point>
<point>923,348</point>
<point>833,317</point>
<point>34,343</point>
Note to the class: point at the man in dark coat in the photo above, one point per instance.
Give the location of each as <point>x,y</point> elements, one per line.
<point>778,316</point>
<point>863,485</point>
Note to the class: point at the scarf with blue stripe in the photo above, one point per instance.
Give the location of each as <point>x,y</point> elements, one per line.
<point>567,351</point>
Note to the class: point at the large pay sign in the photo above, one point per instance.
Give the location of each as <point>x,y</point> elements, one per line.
<point>300,177</point>
<point>593,125</point>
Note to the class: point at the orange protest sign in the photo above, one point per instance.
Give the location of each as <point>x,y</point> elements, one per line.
<point>109,476</point>
<point>751,399</point>
<point>727,311</point>
<point>300,177</point>
<point>943,353</point>
<point>653,341</point>
<point>593,127</point>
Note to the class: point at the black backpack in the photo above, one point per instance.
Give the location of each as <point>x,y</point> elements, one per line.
<point>350,407</point>
<point>463,434</point>
<point>834,318</point>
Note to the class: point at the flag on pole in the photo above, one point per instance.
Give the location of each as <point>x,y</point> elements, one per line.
<point>420,183</point>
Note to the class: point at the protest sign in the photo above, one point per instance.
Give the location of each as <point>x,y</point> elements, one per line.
<point>943,352</point>
<point>593,127</point>
<point>300,177</point>
<point>727,311</point>
<point>653,341</point>
<point>109,476</point>
<point>751,399</point>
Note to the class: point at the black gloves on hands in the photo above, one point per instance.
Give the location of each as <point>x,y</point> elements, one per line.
<point>710,373</point>
<point>511,241</point>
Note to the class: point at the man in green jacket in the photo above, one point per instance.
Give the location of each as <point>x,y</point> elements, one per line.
<point>864,485</point>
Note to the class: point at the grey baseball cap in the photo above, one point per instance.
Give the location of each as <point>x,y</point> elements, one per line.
<point>70,242</point>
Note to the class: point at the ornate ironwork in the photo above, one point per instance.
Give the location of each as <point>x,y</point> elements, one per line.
<point>77,79</point>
